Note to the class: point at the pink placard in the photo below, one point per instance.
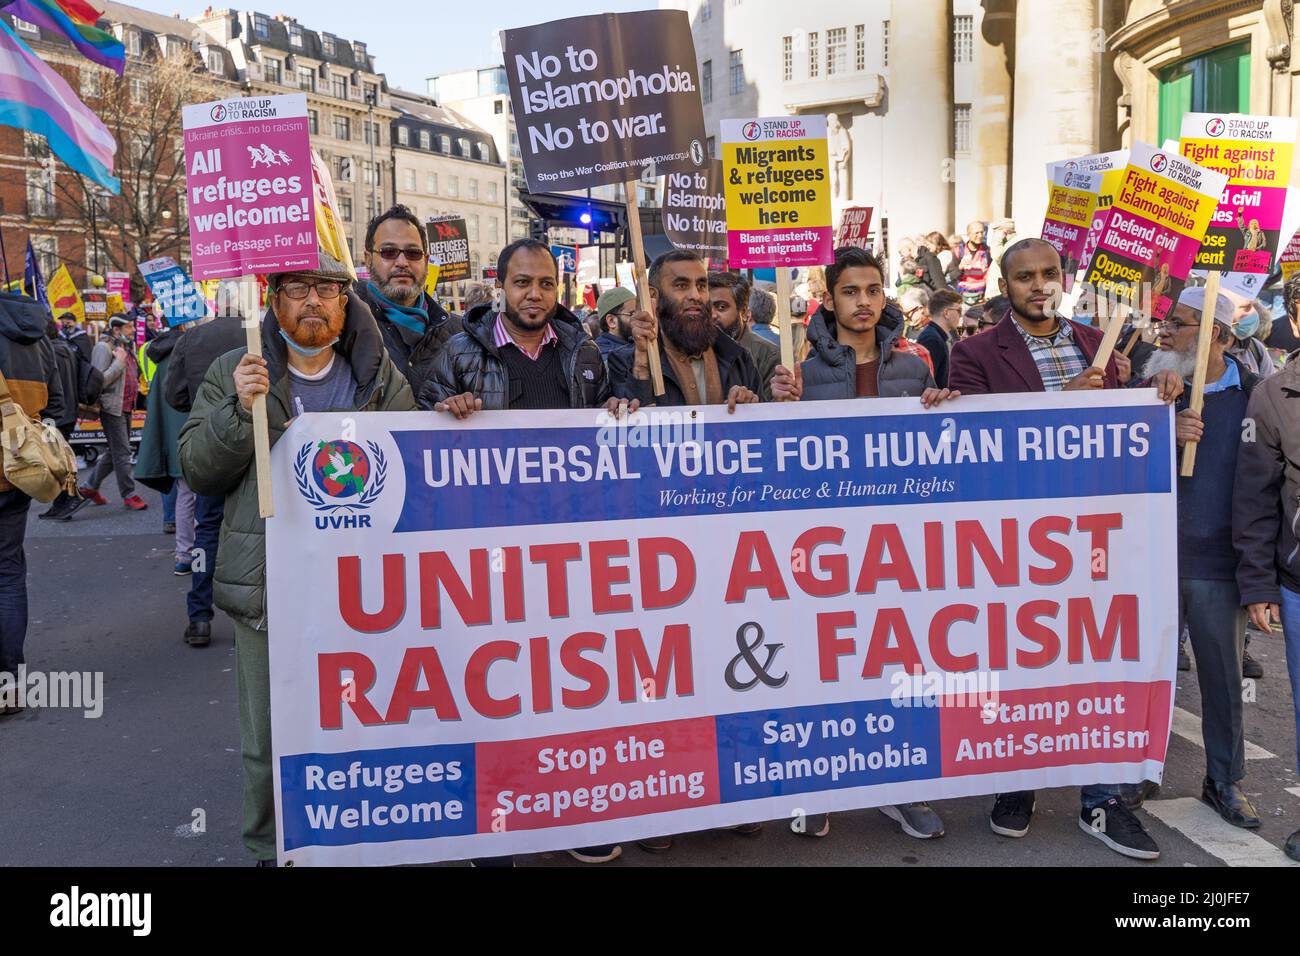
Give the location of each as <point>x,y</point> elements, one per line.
<point>249,187</point>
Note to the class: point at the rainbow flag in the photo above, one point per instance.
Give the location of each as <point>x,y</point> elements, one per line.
<point>81,11</point>
<point>35,98</point>
<point>61,16</point>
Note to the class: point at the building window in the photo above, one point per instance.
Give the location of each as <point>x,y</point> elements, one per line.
<point>359,51</point>
<point>483,152</point>
<point>215,63</point>
<point>343,169</point>
<point>342,127</point>
<point>260,26</point>
<point>313,122</point>
<point>837,51</point>
<point>431,184</point>
<point>139,91</point>
<point>369,175</point>
<point>424,139</point>
<point>453,186</point>
<point>1217,81</point>
<point>370,92</point>
<point>706,10</point>
<point>787,58</point>
<point>860,47</point>
<point>295,36</point>
<point>372,133</point>
<point>408,180</point>
<point>471,228</point>
<point>345,208</point>
<point>737,63</point>
<point>90,83</point>
<point>327,44</point>
<point>47,254</point>
<point>496,107</point>
<point>963,38</point>
<point>307,78</point>
<point>339,87</point>
<point>491,192</point>
<point>35,146</point>
<point>814,63</point>
<point>884,43</point>
<point>40,193</point>
<point>961,127</point>
<point>272,69</point>
<point>133,42</point>
<point>445,144</point>
<point>710,146</point>
<point>403,136</point>
<point>706,81</point>
<point>473,188</point>
<point>492,229</point>
<point>464,147</point>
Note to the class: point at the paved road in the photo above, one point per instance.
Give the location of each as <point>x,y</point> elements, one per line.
<point>124,788</point>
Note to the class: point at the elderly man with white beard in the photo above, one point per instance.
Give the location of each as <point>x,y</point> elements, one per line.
<point>1209,602</point>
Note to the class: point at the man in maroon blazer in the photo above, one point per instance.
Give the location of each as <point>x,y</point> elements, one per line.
<point>1037,349</point>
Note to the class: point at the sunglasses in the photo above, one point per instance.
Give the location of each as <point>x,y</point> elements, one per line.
<point>390,254</point>
<point>299,290</point>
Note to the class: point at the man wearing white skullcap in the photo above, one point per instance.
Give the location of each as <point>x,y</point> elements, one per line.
<point>1209,602</point>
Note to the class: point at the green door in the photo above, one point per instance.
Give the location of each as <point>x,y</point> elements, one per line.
<point>1214,82</point>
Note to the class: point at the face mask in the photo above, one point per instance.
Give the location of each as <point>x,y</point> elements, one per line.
<point>1247,326</point>
<point>302,351</point>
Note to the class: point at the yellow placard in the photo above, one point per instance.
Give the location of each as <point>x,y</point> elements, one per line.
<point>63,295</point>
<point>774,185</point>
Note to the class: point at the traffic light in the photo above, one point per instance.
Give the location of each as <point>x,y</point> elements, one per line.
<point>537,230</point>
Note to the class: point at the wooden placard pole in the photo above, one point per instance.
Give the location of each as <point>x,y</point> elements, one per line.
<point>261,431</point>
<point>1204,334</point>
<point>783,320</point>
<point>1111,336</point>
<point>639,274</point>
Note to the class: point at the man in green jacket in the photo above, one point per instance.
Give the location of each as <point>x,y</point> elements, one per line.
<point>322,351</point>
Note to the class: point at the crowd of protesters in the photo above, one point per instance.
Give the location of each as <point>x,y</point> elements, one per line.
<point>968,315</point>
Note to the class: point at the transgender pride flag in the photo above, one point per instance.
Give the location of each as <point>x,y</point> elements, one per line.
<point>35,98</point>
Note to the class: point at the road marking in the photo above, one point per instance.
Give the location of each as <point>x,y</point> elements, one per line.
<point>1188,726</point>
<point>1215,835</point>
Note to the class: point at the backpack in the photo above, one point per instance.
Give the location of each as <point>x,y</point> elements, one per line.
<point>37,460</point>
<point>90,381</point>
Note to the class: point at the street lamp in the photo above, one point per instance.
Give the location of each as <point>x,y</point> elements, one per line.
<point>372,135</point>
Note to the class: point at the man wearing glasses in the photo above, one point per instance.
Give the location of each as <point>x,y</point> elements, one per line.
<point>615,309</point>
<point>321,352</point>
<point>414,326</point>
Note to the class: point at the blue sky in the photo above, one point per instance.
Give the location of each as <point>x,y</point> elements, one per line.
<point>416,40</point>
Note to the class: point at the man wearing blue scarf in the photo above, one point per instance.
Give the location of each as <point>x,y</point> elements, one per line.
<point>414,327</point>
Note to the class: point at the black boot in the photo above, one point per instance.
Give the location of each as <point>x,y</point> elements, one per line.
<point>199,634</point>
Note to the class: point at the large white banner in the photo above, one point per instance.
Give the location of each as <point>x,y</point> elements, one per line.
<point>538,630</point>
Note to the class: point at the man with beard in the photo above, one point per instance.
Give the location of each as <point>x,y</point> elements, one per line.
<point>525,352</point>
<point>414,326</point>
<point>1209,603</point>
<point>700,365</point>
<point>528,351</point>
<point>1035,348</point>
<point>322,351</point>
<point>614,311</point>
<point>729,298</point>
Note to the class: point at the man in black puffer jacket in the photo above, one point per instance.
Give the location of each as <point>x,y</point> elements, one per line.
<point>535,354</point>
<point>414,326</point>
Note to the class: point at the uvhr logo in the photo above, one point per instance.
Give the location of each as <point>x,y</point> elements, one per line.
<point>218,112</point>
<point>1215,126</point>
<point>339,479</point>
<point>1159,161</point>
<point>751,131</point>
